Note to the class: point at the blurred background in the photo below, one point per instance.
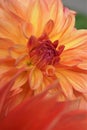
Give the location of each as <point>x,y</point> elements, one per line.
<point>80,6</point>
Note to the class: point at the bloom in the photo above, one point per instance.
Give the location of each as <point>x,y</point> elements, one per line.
<point>38,45</point>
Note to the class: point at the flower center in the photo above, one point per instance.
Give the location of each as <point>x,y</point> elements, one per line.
<point>43,52</point>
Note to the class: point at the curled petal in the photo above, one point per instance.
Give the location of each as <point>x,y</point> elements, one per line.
<point>50,70</point>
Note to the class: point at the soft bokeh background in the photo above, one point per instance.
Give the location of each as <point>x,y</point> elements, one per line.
<point>80,6</point>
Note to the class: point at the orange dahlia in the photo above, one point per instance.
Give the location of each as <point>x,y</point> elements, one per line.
<point>39,44</point>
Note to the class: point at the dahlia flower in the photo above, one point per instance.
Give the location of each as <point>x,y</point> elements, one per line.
<point>39,44</point>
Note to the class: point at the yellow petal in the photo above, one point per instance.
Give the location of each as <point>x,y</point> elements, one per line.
<point>38,15</point>
<point>35,78</point>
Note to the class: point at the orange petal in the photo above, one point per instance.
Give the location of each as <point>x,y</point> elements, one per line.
<point>69,24</point>
<point>77,80</point>
<point>64,24</point>
<point>5,89</point>
<point>55,12</point>
<point>38,15</point>
<point>18,7</point>
<point>49,114</point>
<point>5,44</point>
<point>76,56</point>
<point>65,86</point>
<point>20,81</point>
<point>49,27</point>
<point>76,38</point>
<point>7,61</point>
<point>83,64</point>
<point>27,29</point>
<point>73,121</point>
<point>10,27</point>
<point>6,65</point>
<point>50,70</point>
<point>6,77</point>
<point>3,94</point>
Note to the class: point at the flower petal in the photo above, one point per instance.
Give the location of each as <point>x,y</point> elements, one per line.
<point>8,20</point>
<point>64,24</point>
<point>49,115</point>
<point>76,56</point>
<point>30,11</point>
<point>65,86</point>
<point>49,27</point>
<point>17,7</point>
<point>3,94</point>
<point>6,65</point>
<point>5,89</point>
<point>20,81</point>
<point>35,78</point>
<point>74,39</point>
<point>77,80</point>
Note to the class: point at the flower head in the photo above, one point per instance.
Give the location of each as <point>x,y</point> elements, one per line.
<point>38,45</point>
